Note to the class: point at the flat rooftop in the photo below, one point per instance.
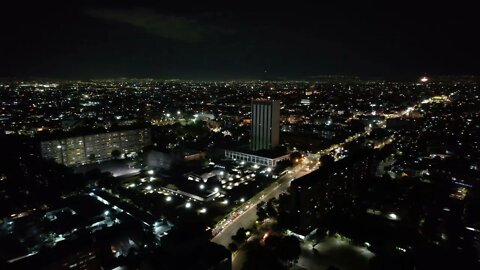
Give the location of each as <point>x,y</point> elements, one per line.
<point>268,153</point>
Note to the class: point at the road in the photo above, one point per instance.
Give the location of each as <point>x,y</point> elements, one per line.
<point>246,214</point>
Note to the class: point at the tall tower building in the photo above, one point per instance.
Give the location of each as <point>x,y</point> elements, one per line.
<point>265,124</point>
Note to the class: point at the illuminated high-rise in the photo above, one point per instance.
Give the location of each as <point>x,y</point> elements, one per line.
<point>265,124</point>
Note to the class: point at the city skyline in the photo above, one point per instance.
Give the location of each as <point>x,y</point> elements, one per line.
<point>139,135</point>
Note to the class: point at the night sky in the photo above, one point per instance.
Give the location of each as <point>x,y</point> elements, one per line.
<point>84,39</point>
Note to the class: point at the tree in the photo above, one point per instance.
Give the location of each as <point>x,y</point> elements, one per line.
<point>289,248</point>
<point>261,212</point>
<point>271,207</point>
<point>240,236</point>
<point>116,153</point>
<point>232,247</point>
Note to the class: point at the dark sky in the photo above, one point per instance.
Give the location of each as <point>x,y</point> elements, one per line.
<point>85,39</point>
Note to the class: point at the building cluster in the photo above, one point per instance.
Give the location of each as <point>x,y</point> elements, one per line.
<point>391,166</point>
<point>407,191</point>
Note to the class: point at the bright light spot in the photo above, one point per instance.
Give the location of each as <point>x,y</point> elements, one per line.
<point>247,233</point>
<point>222,173</point>
<point>392,216</point>
<point>269,169</point>
<point>471,229</point>
<point>178,112</point>
<point>148,188</point>
<point>150,172</point>
<point>168,115</point>
<point>188,205</point>
<point>59,146</point>
<point>216,189</point>
<point>242,163</point>
<point>225,202</point>
<point>242,200</point>
<point>367,244</point>
<point>106,213</point>
<point>424,79</point>
<point>202,186</point>
<point>168,199</point>
<point>203,210</point>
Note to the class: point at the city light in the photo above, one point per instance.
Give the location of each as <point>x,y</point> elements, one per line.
<point>392,216</point>
<point>399,153</point>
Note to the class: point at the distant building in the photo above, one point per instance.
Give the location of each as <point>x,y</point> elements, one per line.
<point>265,124</point>
<point>168,159</point>
<point>262,158</point>
<point>305,101</point>
<point>80,150</point>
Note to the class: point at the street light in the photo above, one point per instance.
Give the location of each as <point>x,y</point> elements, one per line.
<point>202,186</point>
<point>188,205</point>
<point>168,199</point>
